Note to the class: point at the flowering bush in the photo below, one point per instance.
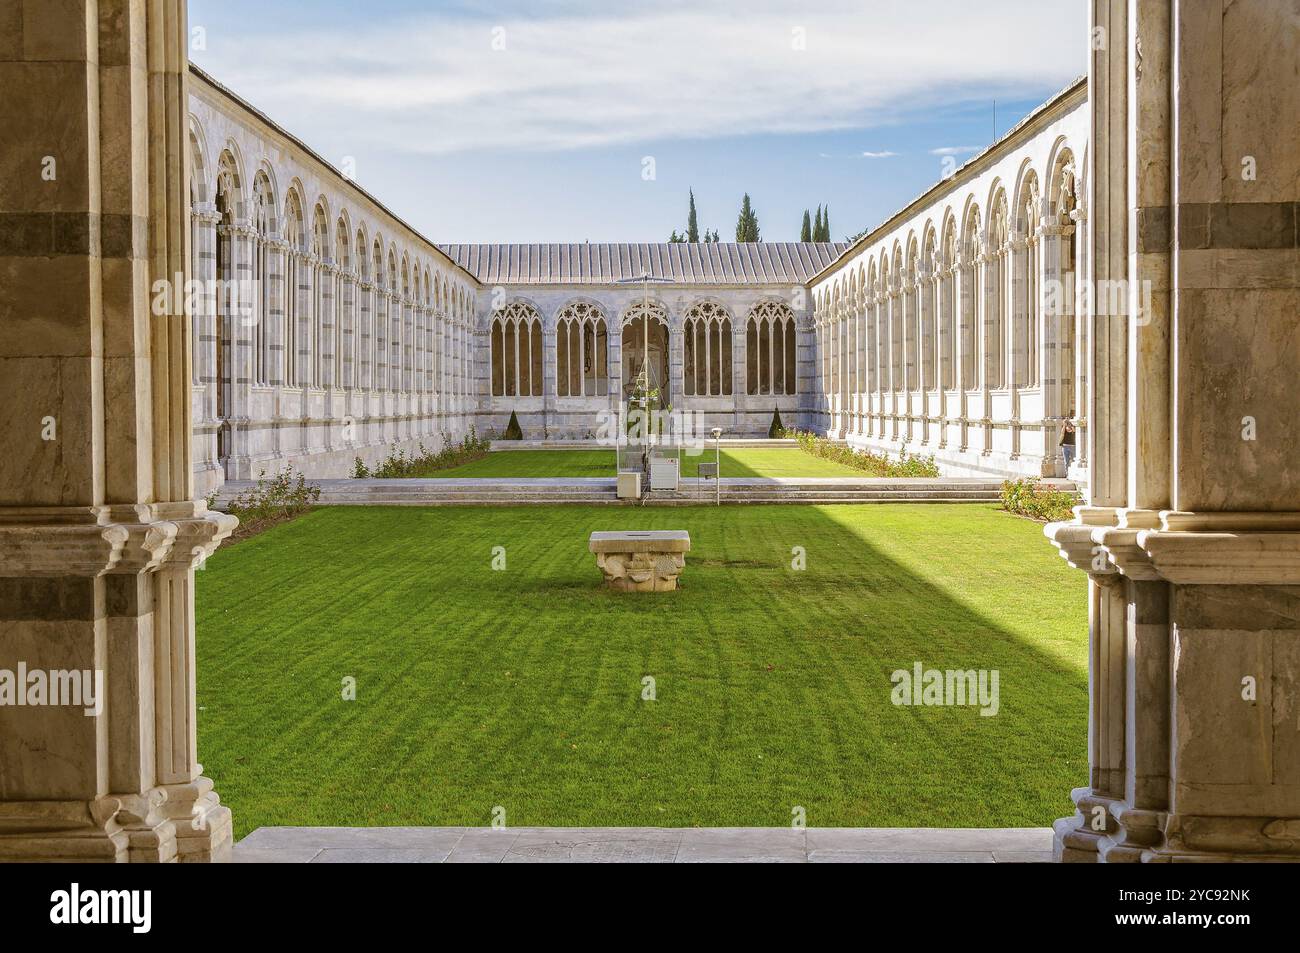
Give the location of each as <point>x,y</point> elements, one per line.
<point>423,461</point>
<point>873,464</point>
<point>1032,499</point>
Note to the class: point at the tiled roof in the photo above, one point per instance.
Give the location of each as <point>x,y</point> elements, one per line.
<point>722,263</point>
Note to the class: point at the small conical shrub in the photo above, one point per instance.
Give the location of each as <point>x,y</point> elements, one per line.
<point>777,430</point>
<point>513,430</point>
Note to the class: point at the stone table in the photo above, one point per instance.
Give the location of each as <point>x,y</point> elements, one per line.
<point>641,560</point>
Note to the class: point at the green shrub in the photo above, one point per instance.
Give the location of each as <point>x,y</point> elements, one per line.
<point>359,469</point>
<point>1030,498</point>
<point>284,495</point>
<point>873,464</point>
<point>777,430</point>
<point>422,462</point>
<point>513,430</point>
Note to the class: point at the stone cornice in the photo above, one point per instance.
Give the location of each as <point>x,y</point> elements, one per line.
<point>1221,548</point>
<point>91,541</point>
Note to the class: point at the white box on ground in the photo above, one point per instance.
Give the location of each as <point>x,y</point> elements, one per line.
<point>664,473</point>
<point>629,485</point>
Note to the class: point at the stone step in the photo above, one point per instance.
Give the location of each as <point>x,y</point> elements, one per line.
<point>601,490</point>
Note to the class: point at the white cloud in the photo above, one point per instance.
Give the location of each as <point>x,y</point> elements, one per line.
<point>954,150</point>
<point>599,74</point>
<point>879,155</point>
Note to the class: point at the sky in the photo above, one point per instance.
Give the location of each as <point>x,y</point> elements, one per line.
<point>583,120</point>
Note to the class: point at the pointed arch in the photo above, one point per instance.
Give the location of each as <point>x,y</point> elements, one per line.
<point>582,350</point>
<point>707,349</point>
<point>771,363</point>
<point>516,350</point>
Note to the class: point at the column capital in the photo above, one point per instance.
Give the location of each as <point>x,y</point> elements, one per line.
<point>205,213</point>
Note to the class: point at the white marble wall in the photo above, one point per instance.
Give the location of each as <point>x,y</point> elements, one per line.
<point>937,333</point>
<point>739,414</point>
<point>339,399</point>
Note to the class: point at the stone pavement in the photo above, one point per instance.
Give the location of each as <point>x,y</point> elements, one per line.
<point>436,845</point>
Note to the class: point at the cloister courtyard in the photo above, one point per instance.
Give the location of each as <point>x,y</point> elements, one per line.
<point>523,686</point>
<point>314,537</point>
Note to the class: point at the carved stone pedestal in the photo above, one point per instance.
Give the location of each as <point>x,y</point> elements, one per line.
<point>645,561</point>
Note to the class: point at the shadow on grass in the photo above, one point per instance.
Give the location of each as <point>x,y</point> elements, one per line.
<point>525,687</point>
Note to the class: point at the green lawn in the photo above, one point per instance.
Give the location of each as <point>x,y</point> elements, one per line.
<point>523,688</point>
<point>600,463</point>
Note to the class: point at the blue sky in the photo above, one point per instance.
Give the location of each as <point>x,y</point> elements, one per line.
<point>532,121</point>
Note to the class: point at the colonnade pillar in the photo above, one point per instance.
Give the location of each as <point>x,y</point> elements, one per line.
<point>1191,536</point>
<point>99,532</point>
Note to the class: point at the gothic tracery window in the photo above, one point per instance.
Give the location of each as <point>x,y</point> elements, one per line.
<point>706,339</point>
<point>517,351</point>
<point>770,350</point>
<point>582,351</point>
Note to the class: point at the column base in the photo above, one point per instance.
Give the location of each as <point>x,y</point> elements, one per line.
<point>1077,839</point>
<point>183,823</point>
<point>112,829</point>
<point>204,827</point>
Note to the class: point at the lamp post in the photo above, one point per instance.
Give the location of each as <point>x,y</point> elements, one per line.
<point>717,463</point>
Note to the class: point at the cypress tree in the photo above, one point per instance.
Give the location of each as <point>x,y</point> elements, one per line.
<point>805,233</point>
<point>747,223</point>
<point>826,224</point>
<point>777,430</point>
<point>513,430</point>
<point>692,223</point>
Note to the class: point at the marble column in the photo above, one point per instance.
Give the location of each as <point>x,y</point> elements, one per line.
<point>1191,535</point>
<point>1015,264</point>
<point>204,222</point>
<point>99,531</point>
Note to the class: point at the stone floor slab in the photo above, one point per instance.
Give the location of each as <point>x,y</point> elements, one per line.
<point>929,838</point>
<point>644,845</point>
<point>258,855</point>
<point>279,838</point>
<point>900,857</point>
<point>380,855</point>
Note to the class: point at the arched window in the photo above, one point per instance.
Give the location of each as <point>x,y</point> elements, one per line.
<point>364,296</point>
<point>379,318</point>
<point>399,337</point>
<point>706,336</point>
<point>972,286</point>
<point>345,301</point>
<point>264,225</point>
<point>1028,320</point>
<point>872,291</point>
<point>897,321</point>
<point>516,351</point>
<point>911,319</point>
<point>999,282</point>
<point>581,351</point>
<point>928,287</point>
<point>770,350</point>
<point>316,322</point>
<point>393,322</point>
<point>948,307</point>
<point>295,288</point>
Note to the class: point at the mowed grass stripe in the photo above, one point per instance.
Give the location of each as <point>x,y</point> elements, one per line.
<point>523,688</point>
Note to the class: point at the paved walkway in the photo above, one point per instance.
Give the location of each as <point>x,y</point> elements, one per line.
<point>436,845</point>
